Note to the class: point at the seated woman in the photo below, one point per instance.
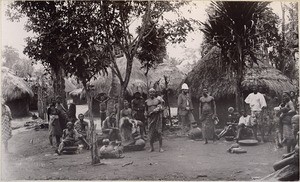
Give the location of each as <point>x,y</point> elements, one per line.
<point>131,133</point>
<point>82,126</point>
<point>69,138</point>
<point>110,129</point>
<point>230,129</point>
<point>244,126</point>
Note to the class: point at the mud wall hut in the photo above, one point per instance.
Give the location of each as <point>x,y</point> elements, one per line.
<point>209,73</point>
<point>16,93</point>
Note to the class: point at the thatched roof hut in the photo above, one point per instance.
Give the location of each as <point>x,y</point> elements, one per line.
<point>209,73</point>
<point>16,93</point>
<point>220,81</point>
<point>173,74</point>
<point>137,82</point>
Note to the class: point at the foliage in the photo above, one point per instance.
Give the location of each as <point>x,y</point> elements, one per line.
<point>86,33</point>
<point>10,55</point>
<point>153,47</point>
<point>233,28</point>
<point>21,66</point>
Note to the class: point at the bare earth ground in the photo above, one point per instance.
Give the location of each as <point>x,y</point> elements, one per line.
<point>32,158</point>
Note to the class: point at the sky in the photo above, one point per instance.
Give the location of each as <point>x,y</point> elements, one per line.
<point>13,33</point>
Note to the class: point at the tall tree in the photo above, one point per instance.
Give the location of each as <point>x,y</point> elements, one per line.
<point>79,38</point>
<point>233,27</point>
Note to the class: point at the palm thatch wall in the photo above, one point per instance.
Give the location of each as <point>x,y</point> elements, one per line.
<point>209,73</point>
<point>16,93</point>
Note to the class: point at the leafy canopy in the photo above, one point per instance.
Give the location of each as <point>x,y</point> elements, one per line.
<point>81,37</point>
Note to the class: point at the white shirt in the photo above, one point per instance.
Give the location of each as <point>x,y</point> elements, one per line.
<point>245,120</point>
<point>256,101</point>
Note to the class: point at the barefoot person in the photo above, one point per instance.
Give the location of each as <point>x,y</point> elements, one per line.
<point>55,129</point>
<point>153,109</point>
<point>207,113</point>
<point>70,136</point>
<point>257,105</point>
<point>6,125</point>
<point>138,110</point>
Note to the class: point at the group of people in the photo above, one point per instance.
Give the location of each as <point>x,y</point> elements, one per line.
<point>135,121</point>
<point>207,113</point>
<point>65,127</point>
<point>267,113</point>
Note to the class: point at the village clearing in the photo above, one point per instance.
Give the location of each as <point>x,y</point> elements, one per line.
<point>31,157</point>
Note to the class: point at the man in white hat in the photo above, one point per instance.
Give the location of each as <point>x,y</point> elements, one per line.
<point>185,108</point>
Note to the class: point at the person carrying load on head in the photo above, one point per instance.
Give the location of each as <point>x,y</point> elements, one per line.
<point>185,108</point>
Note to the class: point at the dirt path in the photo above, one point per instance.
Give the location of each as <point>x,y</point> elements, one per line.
<point>183,159</point>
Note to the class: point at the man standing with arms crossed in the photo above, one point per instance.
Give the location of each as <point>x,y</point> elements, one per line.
<point>257,105</point>
<point>185,108</point>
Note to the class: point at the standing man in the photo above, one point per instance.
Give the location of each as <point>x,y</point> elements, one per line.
<point>185,108</point>
<point>138,110</point>
<point>207,113</point>
<point>257,105</point>
<point>63,117</point>
<point>153,111</point>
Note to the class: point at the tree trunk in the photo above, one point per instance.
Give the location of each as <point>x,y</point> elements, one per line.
<point>94,149</point>
<point>59,85</point>
<point>239,76</point>
<point>120,103</point>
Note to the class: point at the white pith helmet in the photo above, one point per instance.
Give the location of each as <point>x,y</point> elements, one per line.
<point>184,87</point>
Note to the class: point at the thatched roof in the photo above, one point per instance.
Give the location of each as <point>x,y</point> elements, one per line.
<point>209,73</point>
<point>174,75</point>
<point>137,82</point>
<point>14,87</point>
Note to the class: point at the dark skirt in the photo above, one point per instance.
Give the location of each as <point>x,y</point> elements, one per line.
<point>208,126</point>
<point>155,126</point>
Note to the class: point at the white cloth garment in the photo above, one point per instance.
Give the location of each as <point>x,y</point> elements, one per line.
<point>256,101</point>
<point>245,120</point>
